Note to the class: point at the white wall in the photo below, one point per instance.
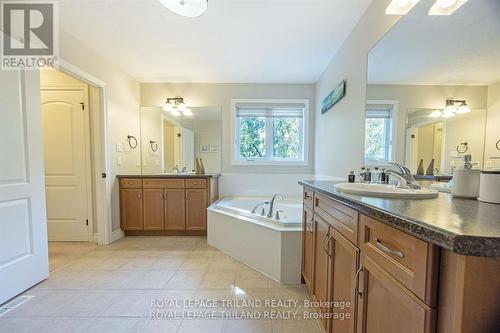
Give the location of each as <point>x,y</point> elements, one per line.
<point>212,94</point>
<point>339,139</point>
<point>122,99</point>
<point>493,125</point>
<point>423,97</point>
<point>208,132</point>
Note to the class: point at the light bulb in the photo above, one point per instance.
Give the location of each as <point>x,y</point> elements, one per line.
<point>181,106</point>
<point>187,112</point>
<point>175,112</point>
<point>463,109</point>
<point>448,115</point>
<point>168,107</point>
<point>436,114</point>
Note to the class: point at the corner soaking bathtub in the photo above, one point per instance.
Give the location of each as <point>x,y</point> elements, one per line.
<point>268,245</point>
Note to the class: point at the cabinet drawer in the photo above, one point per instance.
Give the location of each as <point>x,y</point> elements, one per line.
<point>411,261</point>
<point>130,183</point>
<point>163,183</point>
<point>341,217</point>
<point>307,197</point>
<point>196,183</point>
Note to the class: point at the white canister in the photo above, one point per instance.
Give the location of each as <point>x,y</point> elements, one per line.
<point>490,186</point>
<point>465,183</point>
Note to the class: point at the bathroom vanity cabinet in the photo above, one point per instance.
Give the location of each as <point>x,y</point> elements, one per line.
<point>394,281</point>
<point>166,205</point>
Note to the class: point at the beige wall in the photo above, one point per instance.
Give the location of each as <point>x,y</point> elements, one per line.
<point>212,94</point>
<point>339,137</point>
<point>423,97</point>
<point>208,132</point>
<point>151,130</point>
<point>493,127</point>
<point>122,100</point>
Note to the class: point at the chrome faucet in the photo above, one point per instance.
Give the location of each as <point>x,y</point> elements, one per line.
<point>404,177</point>
<point>271,207</point>
<point>254,210</point>
<point>175,169</point>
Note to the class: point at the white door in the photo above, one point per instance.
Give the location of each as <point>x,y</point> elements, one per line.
<point>65,141</point>
<point>23,228</point>
<point>187,149</point>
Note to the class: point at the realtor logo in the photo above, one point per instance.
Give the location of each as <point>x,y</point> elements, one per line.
<point>29,38</point>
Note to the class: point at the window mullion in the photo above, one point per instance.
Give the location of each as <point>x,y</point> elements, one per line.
<point>269,138</point>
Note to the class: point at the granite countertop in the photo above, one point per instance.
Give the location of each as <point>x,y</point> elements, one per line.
<point>172,175</point>
<point>464,226</point>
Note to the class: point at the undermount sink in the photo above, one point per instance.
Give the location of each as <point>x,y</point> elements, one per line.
<point>386,191</point>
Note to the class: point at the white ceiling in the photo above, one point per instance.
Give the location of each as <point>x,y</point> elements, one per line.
<point>461,49</point>
<point>257,41</point>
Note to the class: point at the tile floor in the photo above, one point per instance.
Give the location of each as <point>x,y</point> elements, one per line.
<point>116,288</point>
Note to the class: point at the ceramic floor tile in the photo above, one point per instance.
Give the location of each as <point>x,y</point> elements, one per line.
<point>248,326</point>
<point>295,326</point>
<point>195,263</point>
<point>226,263</point>
<point>218,279</point>
<point>21,325</point>
<point>202,326</point>
<point>186,280</point>
<point>251,279</point>
<point>155,326</point>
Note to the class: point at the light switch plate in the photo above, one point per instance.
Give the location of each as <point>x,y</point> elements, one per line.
<point>119,147</point>
<point>118,160</point>
<point>489,164</point>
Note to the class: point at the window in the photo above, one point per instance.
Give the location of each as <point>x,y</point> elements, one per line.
<point>269,132</point>
<point>379,133</point>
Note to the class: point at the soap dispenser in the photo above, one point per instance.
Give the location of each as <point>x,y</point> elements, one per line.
<point>466,180</point>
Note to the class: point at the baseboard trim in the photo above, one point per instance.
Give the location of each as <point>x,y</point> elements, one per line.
<point>116,235</point>
<point>165,232</point>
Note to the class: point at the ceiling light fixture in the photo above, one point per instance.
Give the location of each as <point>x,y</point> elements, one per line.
<point>176,107</point>
<point>186,8</point>
<point>400,7</point>
<point>446,7</point>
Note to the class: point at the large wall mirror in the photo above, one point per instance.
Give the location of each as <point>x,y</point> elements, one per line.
<point>433,91</point>
<point>171,144</point>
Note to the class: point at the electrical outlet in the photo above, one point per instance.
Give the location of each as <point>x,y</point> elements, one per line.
<point>119,147</point>
<point>489,164</point>
<point>118,161</point>
<point>138,161</point>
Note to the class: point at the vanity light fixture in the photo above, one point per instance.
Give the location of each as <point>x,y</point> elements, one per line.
<point>186,8</point>
<point>436,114</point>
<point>446,7</point>
<point>176,107</point>
<point>400,7</point>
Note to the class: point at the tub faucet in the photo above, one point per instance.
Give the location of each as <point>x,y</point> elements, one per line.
<point>405,178</point>
<point>254,210</point>
<point>271,207</point>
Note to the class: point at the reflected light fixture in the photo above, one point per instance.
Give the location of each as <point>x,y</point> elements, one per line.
<point>186,8</point>
<point>436,114</point>
<point>176,107</point>
<point>400,7</point>
<point>446,7</point>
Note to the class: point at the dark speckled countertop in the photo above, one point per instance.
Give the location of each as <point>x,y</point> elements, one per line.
<point>463,226</point>
<point>172,175</point>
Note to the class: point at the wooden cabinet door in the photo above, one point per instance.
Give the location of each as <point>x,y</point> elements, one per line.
<point>196,209</point>
<point>386,306</point>
<point>322,266</point>
<point>343,277</point>
<point>131,209</point>
<point>175,209</point>
<point>153,209</point>
<point>308,247</point>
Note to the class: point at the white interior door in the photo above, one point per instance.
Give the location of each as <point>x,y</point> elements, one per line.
<point>65,124</point>
<point>23,228</point>
<point>187,148</point>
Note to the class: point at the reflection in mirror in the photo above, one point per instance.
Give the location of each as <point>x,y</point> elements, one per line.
<point>433,92</point>
<point>171,144</point>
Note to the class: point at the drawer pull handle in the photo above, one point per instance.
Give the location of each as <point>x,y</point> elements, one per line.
<point>388,250</point>
<point>356,281</point>
<point>311,223</point>
<point>324,243</point>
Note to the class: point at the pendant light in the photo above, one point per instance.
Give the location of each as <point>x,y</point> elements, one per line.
<point>186,8</point>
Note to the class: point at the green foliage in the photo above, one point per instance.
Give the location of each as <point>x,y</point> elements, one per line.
<point>374,139</point>
<point>286,140</point>
<point>286,143</point>
<point>252,137</point>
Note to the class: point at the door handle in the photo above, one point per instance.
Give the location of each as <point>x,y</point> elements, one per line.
<point>310,224</point>
<point>384,248</point>
<point>356,281</point>
<point>325,239</point>
<point>328,246</point>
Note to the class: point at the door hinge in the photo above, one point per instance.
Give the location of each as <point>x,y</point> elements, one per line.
<point>83,105</point>
<point>87,221</point>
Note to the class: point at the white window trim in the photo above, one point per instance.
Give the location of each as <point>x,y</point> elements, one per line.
<point>305,134</point>
<point>394,131</point>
